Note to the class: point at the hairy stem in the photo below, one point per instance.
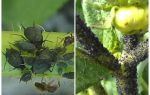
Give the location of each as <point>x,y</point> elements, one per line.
<point>127,77</point>
<point>94,47</point>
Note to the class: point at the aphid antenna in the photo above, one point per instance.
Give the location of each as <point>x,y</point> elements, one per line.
<point>20,27</point>
<point>23,26</point>
<point>58,42</point>
<point>67,33</point>
<point>41,28</point>
<point>20,36</point>
<point>3,53</point>
<point>4,65</point>
<point>5,61</point>
<point>46,40</point>
<point>13,43</point>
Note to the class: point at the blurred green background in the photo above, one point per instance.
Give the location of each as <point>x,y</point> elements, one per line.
<point>52,15</point>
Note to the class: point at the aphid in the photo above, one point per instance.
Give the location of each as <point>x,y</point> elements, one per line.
<point>59,50</point>
<point>25,46</point>
<point>41,86</point>
<point>69,75</point>
<point>46,53</point>
<point>52,86</point>
<point>14,58</point>
<point>34,35</point>
<point>68,40</point>
<point>26,77</point>
<point>28,60</point>
<point>41,65</point>
<point>68,56</point>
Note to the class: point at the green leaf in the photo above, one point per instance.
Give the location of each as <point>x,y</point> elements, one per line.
<point>88,72</point>
<point>100,23</point>
<point>142,71</point>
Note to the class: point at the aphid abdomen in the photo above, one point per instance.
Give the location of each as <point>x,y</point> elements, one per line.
<point>14,58</point>
<point>41,65</point>
<point>25,46</point>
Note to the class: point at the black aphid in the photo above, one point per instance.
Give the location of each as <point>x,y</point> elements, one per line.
<point>49,54</point>
<point>41,65</point>
<point>68,40</point>
<point>14,58</point>
<point>69,75</point>
<point>34,35</point>
<point>58,50</point>
<point>26,76</point>
<point>25,46</point>
<point>41,86</point>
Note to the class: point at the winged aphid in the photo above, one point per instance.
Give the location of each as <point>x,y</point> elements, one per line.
<point>14,58</point>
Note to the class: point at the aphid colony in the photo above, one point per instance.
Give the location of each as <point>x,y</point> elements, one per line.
<point>31,56</point>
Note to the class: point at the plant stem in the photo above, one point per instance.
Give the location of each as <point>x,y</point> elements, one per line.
<point>127,81</point>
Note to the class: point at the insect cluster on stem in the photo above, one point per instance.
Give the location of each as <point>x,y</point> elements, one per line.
<point>30,56</point>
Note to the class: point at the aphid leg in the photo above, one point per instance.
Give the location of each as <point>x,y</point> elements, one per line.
<point>5,61</point>
<point>41,28</point>
<point>46,40</point>
<point>52,68</point>
<point>4,65</point>
<point>58,83</point>
<point>23,26</point>
<point>20,36</point>
<point>42,79</point>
